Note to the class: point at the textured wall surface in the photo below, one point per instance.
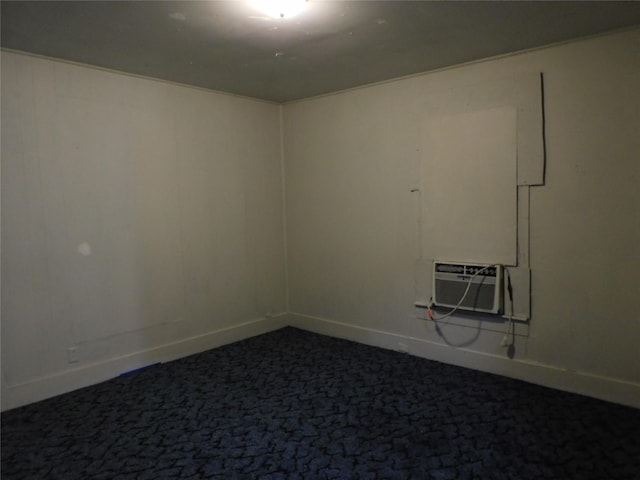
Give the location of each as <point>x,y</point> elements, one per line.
<point>353,233</point>
<point>135,214</point>
<point>143,220</point>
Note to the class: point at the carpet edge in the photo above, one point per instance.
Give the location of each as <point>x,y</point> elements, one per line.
<point>41,388</point>
<point>603,388</point>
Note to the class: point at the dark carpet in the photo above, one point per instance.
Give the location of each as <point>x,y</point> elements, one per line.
<point>296,405</point>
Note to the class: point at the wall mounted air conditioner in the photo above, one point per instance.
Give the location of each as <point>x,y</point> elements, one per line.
<point>450,281</point>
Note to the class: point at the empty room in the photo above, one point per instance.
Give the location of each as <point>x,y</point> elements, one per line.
<point>320,240</point>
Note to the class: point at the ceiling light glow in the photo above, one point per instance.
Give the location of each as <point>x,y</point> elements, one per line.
<point>280,8</point>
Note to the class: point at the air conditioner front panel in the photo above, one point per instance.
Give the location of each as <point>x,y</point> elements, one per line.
<point>451,281</point>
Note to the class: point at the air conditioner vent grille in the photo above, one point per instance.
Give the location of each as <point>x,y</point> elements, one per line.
<point>450,281</point>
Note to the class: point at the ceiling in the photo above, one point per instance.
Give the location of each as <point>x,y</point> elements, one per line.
<point>333,45</point>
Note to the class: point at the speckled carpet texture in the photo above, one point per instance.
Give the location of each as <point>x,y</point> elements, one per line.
<point>296,405</point>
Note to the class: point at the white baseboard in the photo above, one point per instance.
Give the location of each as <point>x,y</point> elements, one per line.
<point>609,389</point>
<point>604,388</point>
<point>45,387</point>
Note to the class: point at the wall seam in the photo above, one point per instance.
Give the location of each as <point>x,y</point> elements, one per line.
<point>284,210</point>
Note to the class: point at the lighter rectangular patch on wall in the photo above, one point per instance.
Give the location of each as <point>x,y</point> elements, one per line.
<point>469,186</point>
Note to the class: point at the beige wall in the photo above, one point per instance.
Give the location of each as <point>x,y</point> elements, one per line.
<point>140,221</point>
<point>352,224</point>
